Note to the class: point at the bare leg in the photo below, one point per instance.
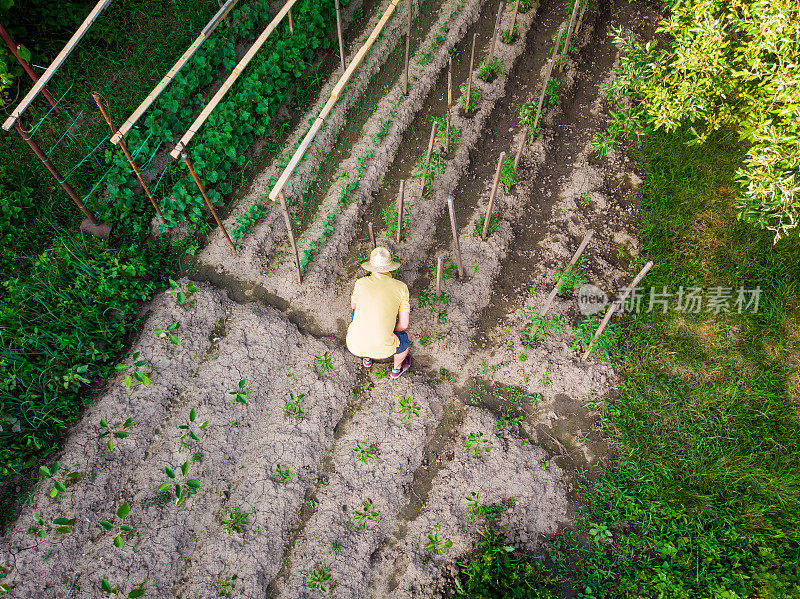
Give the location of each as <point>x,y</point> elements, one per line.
<point>398,359</point>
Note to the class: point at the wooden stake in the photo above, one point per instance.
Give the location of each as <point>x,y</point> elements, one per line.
<point>127,153</point>
<point>428,156</point>
<point>580,17</point>
<point>291,23</point>
<point>614,305</point>
<point>221,5</point>
<point>496,31</point>
<point>491,197</point>
<point>548,72</point>
<point>439,263</point>
<point>13,47</point>
<point>457,245</point>
<point>400,210</point>
<point>57,61</point>
<point>339,32</point>
<point>372,236</point>
<point>575,256</point>
<point>561,61</point>
<point>514,19</point>
<point>469,77</point>
<point>61,180</point>
<point>449,103</point>
<point>288,220</point>
<point>408,49</point>
<point>185,156</point>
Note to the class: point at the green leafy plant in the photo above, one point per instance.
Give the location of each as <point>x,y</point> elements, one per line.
<point>383,132</point>
<point>543,464</point>
<point>236,521</point>
<point>435,544</point>
<point>116,431</point>
<point>408,408</point>
<point>295,407</point>
<point>227,585</point>
<point>599,532</point>
<point>490,69</point>
<point>168,333</point>
<point>469,104</point>
<point>526,5</point>
<point>135,373</point>
<point>473,503</point>
<point>61,525</point>
<point>508,176</point>
<point>365,452</point>
<point>509,36</point>
<point>367,516</point>
<point>181,490</point>
<point>281,474</point>
<point>336,548</point>
<point>553,91</point>
<point>136,591</point>
<point>122,511</point>
<point>424,338</point>
<point>58,486</point>
<point>426,295</point>
<point>476,442</point>
<point>381,373</point>
<point>540,327</point>
<point>321,579</point>
<point>573,277</point>
<point>189,430</point>
<point>240,393</point>
<point>389,216</point>
<point>605,346</point>
<point>508,420</point>
<point>184,297</point>
<point>494,224</point>
<point>324,362</point>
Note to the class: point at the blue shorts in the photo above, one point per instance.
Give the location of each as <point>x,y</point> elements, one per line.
<point>405,342</point>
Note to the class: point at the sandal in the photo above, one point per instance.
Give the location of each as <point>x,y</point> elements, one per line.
<point>396,372</point>
<point>367,362</point>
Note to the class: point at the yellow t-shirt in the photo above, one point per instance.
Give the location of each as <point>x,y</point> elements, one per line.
<point>378,299</point>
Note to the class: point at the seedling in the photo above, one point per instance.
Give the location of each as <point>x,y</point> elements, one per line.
<point>135,374</point>
<point>508,176</point>
<point>507,420</point>
<point>62,526</point>
<point>168,333</point>
<point>227,585</point>
<point>586,199</point>
<point>184,298</point>
<point>474,503</point>
<point>58,486</point>
<point>553,92</point>
<point>509,36</point>
<point>381,373</point>
<point>541,327</point>
<point>436,545</point>
<point>115,431</point>
<point>494,224</point>
<point>182,490</point>
<point>320,579</point>
<point>573,277</point>
<point>335,549</point>
<point>543,464</point>
<point>408,408</point>
<point>137,591</point>
<point>474,97</point>
<point>324,361</point>
<point>189,430</point>
<point>599,532</point>
<point>281,474</point>
<point>490,69</point>
<point>240,393</point>
<point>236,521</point>
<point>294,407</point>
<point>492,511</point>
<point>604,346</point>
<point>367,517</point>
<point>364,452</point>
<point>546,376</point>
<point>476,442</point>
<point>122,511</point>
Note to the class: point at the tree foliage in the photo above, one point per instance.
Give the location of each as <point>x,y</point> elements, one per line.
<point>731,63</point>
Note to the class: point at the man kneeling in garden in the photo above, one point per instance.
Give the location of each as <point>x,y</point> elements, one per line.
<point>380,315</point>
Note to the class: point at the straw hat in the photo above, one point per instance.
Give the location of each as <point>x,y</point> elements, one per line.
<point>380,260</point>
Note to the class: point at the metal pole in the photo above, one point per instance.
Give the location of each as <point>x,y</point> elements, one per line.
<point>339,32</point>
<point>127,153</point>
<point>496,30</point>
<point>287,219</point>
<point>13,47</point>
<point>575,256</point>
<point>408,48</point>
<point>457,245</point>
<point>439,262</point>
<point>614,305</point>
<point>202,189</point>
<point>372,235</point>
<point>400,210</point>
<point>428,157</point>
<point>469,77</point>
<point>491,197</point>
<point>58,177</point>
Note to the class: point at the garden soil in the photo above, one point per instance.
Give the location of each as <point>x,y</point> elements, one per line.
<point>406,446</point>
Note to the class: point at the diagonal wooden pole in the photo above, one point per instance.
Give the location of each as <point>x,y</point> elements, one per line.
<point>371,229</point>
<point>185,156</point>
<point>496,31</point>
<point>572,262</point>
<point>469,76</point>
<point>451,208</point>
<point>495,183</point>
<point>449,103</point>
<point>124,147</point>
<point>428,157</point>
<point>513,20</point>
<point>561,62</point>
<point>408,48</point>
<point>288,220</point>
<point>400,200</point>
<point>439,264</point>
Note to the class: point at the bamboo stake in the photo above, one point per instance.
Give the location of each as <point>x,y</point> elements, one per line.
<point>291,23</point>
<point>54,66</point>
<point>494,192</point>
<point>548,72</point>
<point>13,47</point>
<point>127,153</point>
<point>372,235</point>
<point>400,210</point>
<point>58,177</point>
<point>572,262</point>
<point>408,49</point>
<point>580,17</point>
<point>561,61</point>
<point>456,244</point>
<point>496,31</point>
<point>337,91</point>
<point>227,22</point>
<point>287,219</point>
<point>339,33</point>
<point>514,19</point>
<point>469,77</point>
<point>614,305</point>
<point>202,189</point>
<point>190,51</point>
<point>449,103</point>
<point>428,157</point>
<point>439,263</point>
<point>237,70</point>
